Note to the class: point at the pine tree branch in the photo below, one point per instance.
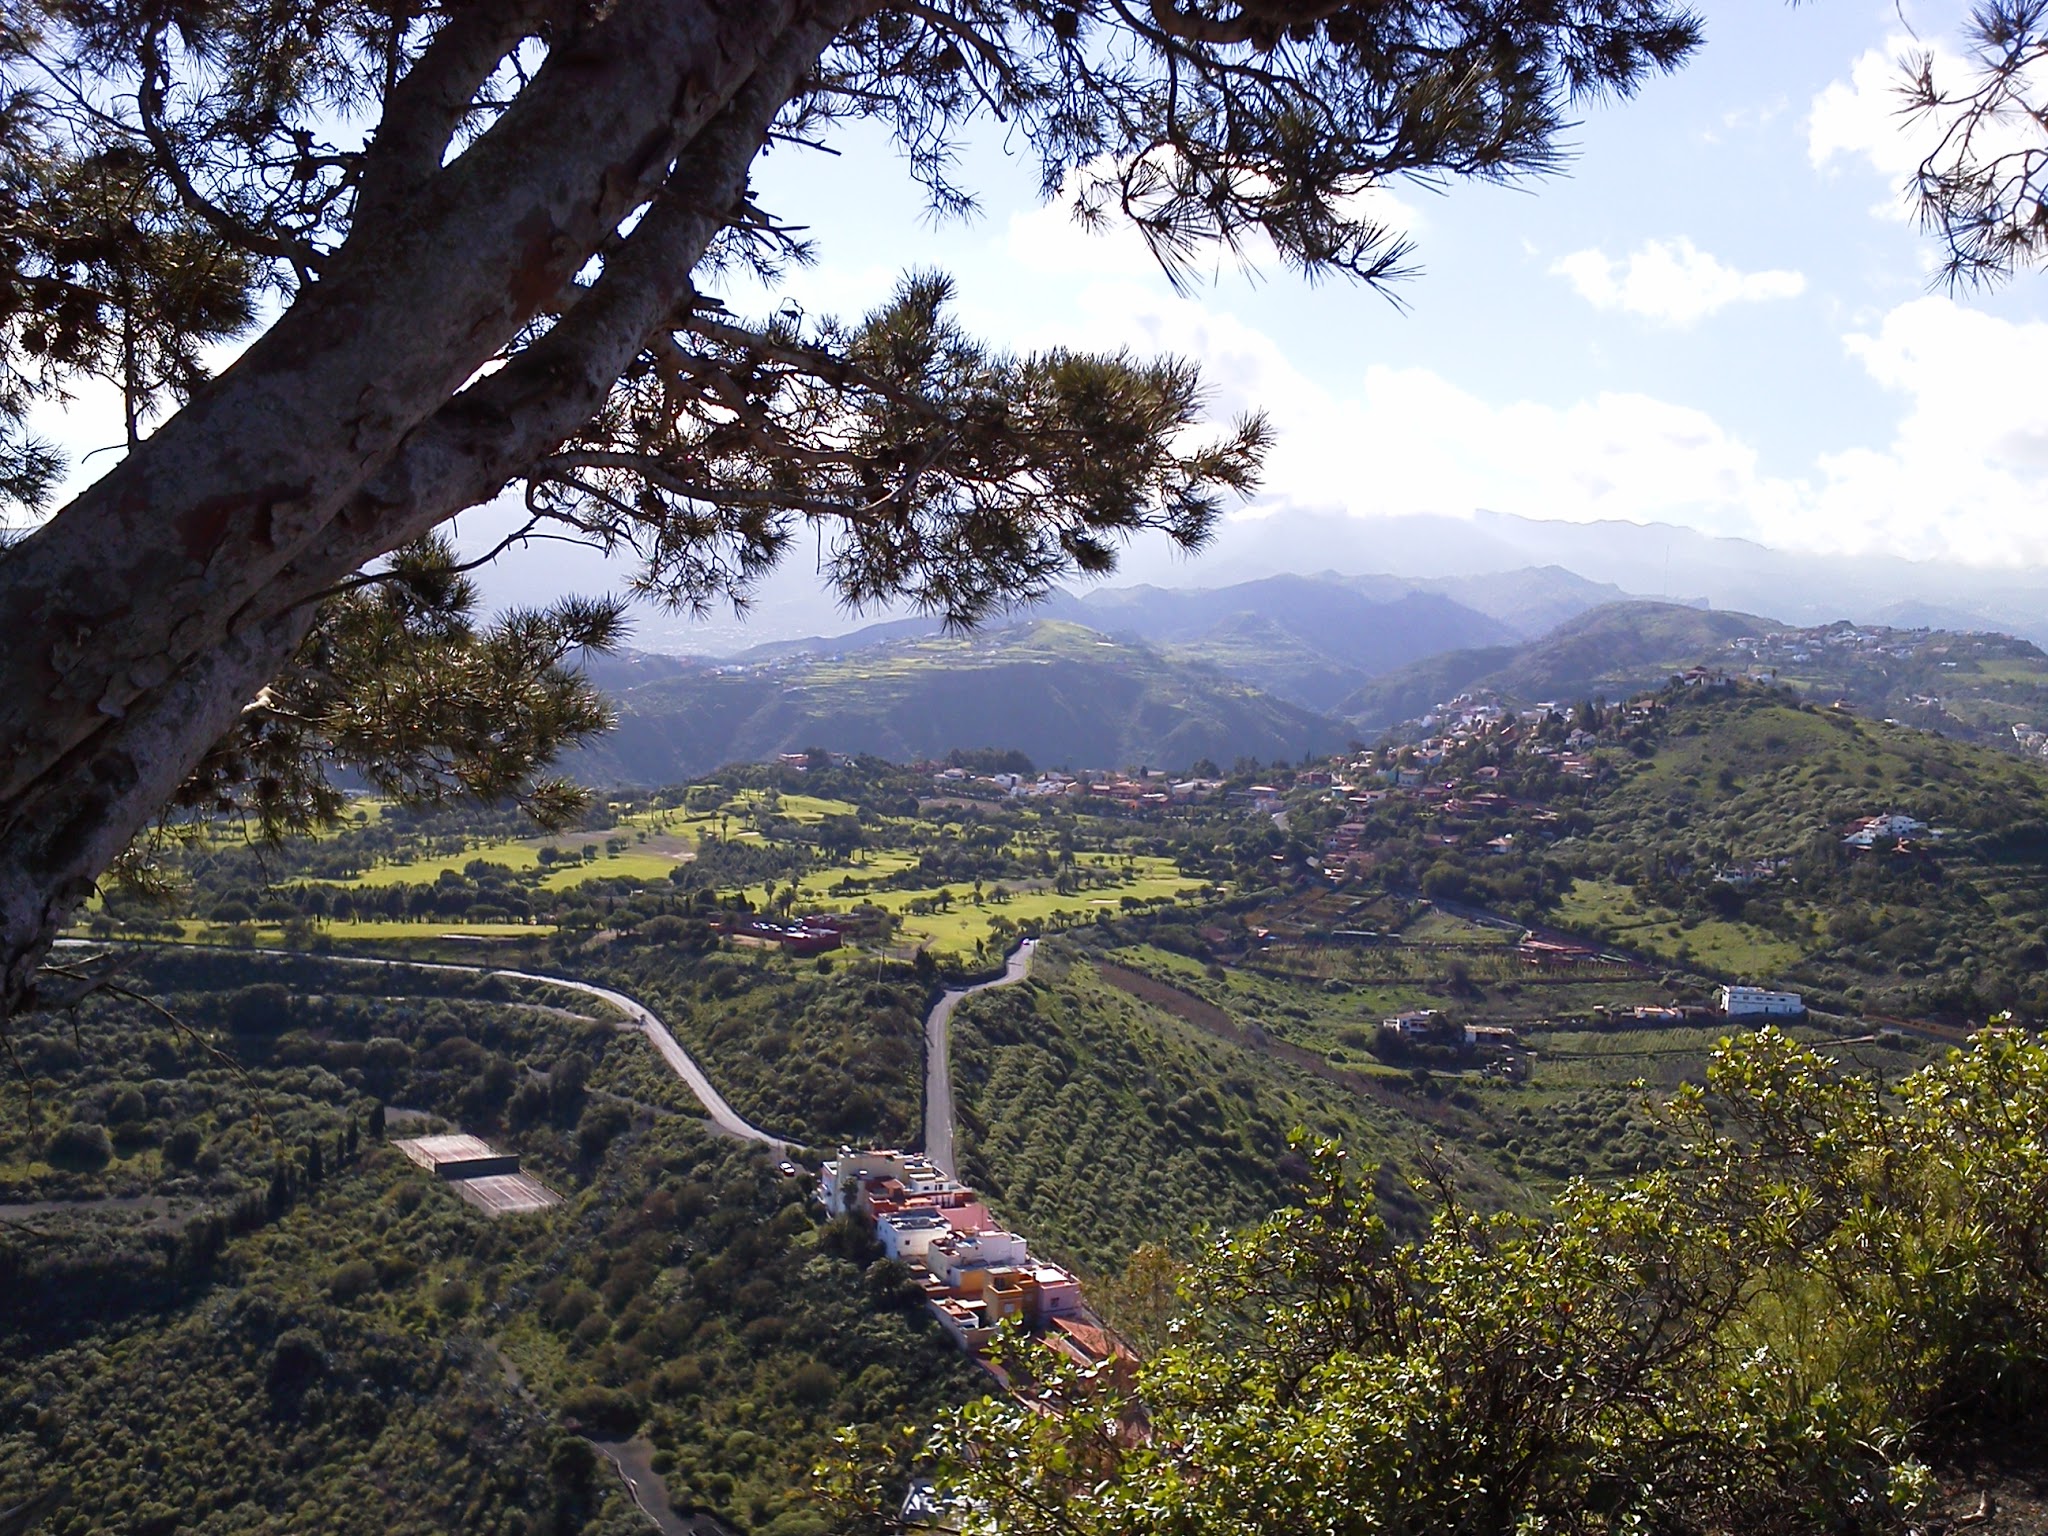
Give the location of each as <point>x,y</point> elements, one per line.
<point>491,432</point>
<point>429,103</point>
<point>304,258</point>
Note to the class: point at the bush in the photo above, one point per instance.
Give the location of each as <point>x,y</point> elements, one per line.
<point>81,1148</point>
<point>813,1383</point>
<point>358,1277</point>
<point>1830,1289</point>
<point>602,1122</point>
<point>453,1298</point>
<point>181,1147</point>
<point>604,1410</point>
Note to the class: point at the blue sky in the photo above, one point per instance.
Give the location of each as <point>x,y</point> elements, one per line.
<point>1719,316</point>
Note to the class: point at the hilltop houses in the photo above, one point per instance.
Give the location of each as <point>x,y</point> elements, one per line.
<point>975,1275</point>
<point>1870,831</point>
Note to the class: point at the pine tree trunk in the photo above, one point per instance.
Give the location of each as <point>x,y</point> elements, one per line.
<point>146,614</point>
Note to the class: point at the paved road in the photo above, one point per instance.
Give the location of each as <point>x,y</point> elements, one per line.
<point>938,1064</point>
<point>722,1114</point>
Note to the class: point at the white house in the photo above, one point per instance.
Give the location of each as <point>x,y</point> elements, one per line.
<point>906,1235</point>
<point>1891,827</point>
<point>1756,1002</point>
<point>841,1179</point>
<point>1422,1021</point>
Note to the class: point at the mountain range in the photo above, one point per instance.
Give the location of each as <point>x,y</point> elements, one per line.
<point>1613,651</point>
<point>1268,669</point>
<point>1310,640</point>
<point>1460,557</point>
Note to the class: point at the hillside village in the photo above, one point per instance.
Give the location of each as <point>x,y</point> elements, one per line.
<point>975,1277</point>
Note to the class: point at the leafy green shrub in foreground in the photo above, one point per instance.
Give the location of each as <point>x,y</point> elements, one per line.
<point>1837,1287</point>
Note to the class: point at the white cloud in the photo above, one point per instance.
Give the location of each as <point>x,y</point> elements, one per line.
<point>1410,440</point>
<point>1672,282</point>
<point>1048,239</point>
<point>1965,474</point>
<point>1962,475</point>
<point>1865,118</point>
<point>1860,119</point>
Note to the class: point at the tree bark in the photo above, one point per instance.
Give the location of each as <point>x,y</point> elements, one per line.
<point>148,612</point>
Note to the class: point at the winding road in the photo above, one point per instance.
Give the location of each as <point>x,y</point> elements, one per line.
<point>938,1063</point>
<point>632,1458</point>
<point>680,1062</point>
<point>721,1114</point>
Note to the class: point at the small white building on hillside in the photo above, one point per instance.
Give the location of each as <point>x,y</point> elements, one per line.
<point>905,1235</point>
<point>843,1180</point>
<point>1758,1003</point>
<point>1891,827</point>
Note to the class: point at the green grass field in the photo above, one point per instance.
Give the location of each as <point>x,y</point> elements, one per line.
<point>1732,948</point>
<point>371,930</point>
<point>958,929</point>
<point>2015,670</point>
<point>806,810</point>
<point>669,839</point>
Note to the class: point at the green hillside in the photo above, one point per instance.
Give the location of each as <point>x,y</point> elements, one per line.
<point>1956,927</point>
<point>1984,687</point>
<point>1709,838</point>
<point>1061,693</point>
<point>1612,651</point>
<point>1260,651</point>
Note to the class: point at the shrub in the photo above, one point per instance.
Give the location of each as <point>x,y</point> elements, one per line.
<point>358,1277</point>
<point>82,1148</point>
<point>604,1410</point>
<point>181,1147</point>
<point>452,1298</point>
<point>813,1383</point>
<point>1831,1286</point>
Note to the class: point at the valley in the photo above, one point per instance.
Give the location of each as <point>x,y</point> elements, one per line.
<point>1489,960</point>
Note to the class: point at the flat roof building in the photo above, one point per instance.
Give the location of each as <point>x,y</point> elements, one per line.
<point>488,1179</point>
<point>458,1157</point>
<point>1756,1002</point>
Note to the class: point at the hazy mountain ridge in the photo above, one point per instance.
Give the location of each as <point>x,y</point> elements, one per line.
<point>1250,684</point>
<point>1307,639</point>
<point>1680,564</point>
<point>1458,556</point>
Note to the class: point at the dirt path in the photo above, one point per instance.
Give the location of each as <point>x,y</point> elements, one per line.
<point>938,1062</point>
<point>634,1461</point>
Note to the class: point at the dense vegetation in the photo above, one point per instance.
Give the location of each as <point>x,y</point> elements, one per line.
<point>226,1305</point>
<point>816,1052</point>
<point>1097,1123</point>
<point>1142,1084</point>
<point>1832,1300</point>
